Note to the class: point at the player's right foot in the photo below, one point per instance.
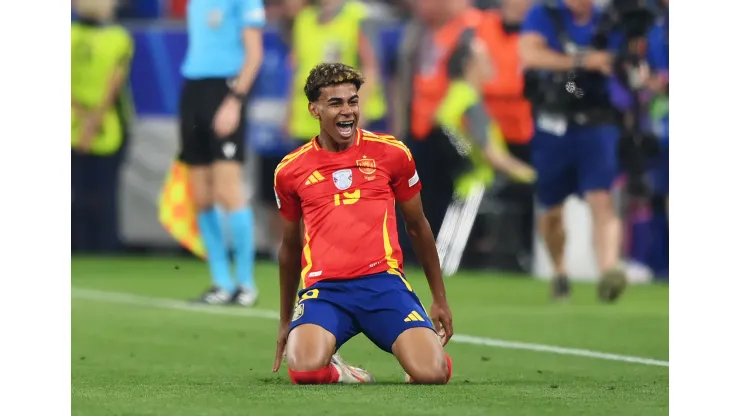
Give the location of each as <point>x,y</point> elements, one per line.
<point>349,374</point>
<point>612,284</point>
<point>560,288</point>
<point>214,296</point>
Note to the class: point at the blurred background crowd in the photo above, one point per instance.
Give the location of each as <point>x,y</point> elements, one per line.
<point>117,186</point>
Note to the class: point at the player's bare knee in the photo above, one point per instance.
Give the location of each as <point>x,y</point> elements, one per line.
<point>432,372</point>
<point>421,355</point>
<point>309,348</point>
<point>304,360</point>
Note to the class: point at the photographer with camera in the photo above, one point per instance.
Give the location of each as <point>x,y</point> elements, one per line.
<point>574,148</point>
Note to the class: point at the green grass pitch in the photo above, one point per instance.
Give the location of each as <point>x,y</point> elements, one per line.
<point>137,349</point>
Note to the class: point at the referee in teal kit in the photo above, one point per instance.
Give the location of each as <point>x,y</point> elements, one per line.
<point>223,58</point>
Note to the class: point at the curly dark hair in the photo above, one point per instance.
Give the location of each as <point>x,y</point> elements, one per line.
<point>324,75</point>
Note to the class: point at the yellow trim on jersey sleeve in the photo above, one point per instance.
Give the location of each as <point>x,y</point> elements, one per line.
<point>387,139</point>
<point>289,158</point>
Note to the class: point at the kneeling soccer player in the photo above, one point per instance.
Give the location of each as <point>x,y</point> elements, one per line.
<point>345,184</point>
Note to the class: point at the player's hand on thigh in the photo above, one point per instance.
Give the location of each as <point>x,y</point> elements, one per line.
<point>441,316</point>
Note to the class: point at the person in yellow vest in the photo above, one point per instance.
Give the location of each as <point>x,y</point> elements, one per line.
<point>101,109</point>
<point>289,10</point>
<point>440,70</point>
<point>327,31</point>
<point>333,31</point>
<point>463,118</point>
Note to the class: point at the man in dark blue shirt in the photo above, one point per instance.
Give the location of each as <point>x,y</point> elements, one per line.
<point>573,157</point>
<point>223,58</point>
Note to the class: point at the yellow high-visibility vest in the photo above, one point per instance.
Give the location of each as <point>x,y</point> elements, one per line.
<point>97,52</point>
<point>450,115</point>
<point>335,41</point>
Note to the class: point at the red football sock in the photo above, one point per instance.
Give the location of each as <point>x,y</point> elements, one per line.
<point>326,375</point>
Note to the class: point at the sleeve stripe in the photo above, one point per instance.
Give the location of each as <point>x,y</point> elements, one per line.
<point>289,158</point>
<point>389,140</point>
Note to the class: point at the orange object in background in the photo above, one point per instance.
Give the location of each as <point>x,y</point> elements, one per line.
<point>177,212</point>
<point>504,92</point>
<point>430,84</point>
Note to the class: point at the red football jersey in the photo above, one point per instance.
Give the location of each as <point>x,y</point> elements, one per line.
<point>347,200</point>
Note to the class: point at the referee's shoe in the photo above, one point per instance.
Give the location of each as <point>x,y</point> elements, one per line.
<point>217,296</point>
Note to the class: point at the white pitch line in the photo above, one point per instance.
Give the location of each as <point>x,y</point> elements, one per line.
<point>115,297</point>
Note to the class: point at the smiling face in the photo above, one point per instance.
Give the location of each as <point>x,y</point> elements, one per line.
<point>331,89</point>
<point>338,111</point>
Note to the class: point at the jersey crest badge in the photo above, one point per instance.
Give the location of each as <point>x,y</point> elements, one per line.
<point>367,167</point>
<point>298,312</point>
<point>342,179</point>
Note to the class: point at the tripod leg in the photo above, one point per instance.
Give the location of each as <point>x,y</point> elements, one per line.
<point>447,230</point>
<point>466,220</point>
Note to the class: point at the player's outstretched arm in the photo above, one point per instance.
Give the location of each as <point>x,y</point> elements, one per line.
<point>289,259</point>
<point>422,241</point>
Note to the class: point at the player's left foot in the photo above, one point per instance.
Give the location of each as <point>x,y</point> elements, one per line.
<point>612,284</point>
<point>244,297</point>
<point>349,374</point>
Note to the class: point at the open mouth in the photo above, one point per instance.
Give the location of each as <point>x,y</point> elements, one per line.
<point>345,128</point>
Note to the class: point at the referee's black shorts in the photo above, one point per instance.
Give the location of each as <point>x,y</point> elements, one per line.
<point>199,146</point>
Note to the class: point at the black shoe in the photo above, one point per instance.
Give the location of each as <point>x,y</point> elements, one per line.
<point>612,285</point>
<point>244,297</point>
<point>560,288</point>
<point>214,296</point>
